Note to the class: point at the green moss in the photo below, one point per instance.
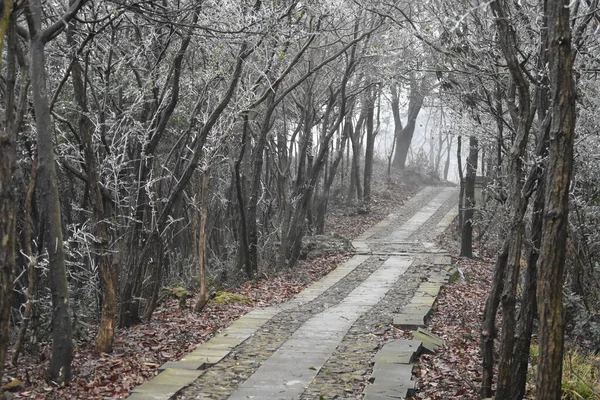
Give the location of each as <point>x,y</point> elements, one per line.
<point>230,298</point>
<point>179,291</point>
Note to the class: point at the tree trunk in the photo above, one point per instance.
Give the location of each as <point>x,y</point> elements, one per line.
<point>324,198</point>
<point>397,125</point>
<point>404,139</point>
<point>31,273</point>
<point>466,242</point>
<point>203,295</point>
<point>488,325</point>
<point>461,180</point>
<point>522,117</point>
<point>257,168</point>
<point>554,231</point>
<point>529,301</point>
<point>355,184</point>
<point>60,363</point>
<point>8,150</point>
<point>156,266</point>
<point>447,164</point>
<point>369,148</point>
<point>244,245</point>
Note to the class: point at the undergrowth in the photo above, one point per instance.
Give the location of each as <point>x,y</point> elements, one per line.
<point>581,374</point>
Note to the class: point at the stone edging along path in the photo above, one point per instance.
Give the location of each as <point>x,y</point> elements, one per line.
<point>323,341</point>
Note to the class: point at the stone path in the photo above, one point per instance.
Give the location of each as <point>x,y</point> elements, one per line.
<point>324,341</point>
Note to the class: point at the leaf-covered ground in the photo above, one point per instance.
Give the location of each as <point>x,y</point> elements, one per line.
<point>454,372</point>
<point>140,350</point>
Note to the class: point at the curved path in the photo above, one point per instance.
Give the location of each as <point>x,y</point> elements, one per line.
<point>321,342</point>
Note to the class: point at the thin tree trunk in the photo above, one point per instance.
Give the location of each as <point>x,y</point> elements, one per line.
<point>32,272</point>
<point>60,363</point>
<point>355,184</point>
<point>156,265</point>
<point>529,300</point>
<point>522,116</point>
<point>447,165</point>
<point>488,325</point>
<point>397,125</point>
<point>551,262</point>
<point>8,149</point>
<point>370,147</point>
<point>461,180</point>
<point>466,242</point>
<point>324,198</point>
<point>244,246</point>
<point>252,206</point>
<point>203,295</point>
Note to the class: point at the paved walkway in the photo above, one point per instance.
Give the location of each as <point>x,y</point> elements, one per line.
<point>323,341</point>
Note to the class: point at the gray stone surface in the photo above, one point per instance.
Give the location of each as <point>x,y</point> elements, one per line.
<point>408,321</point>
<point>165,385</point>
<point>287,373</point>
<point>430,342</point>
<point>392,373</point>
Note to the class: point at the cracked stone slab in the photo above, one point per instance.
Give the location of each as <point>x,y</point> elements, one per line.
<point>408,321</point>
<point>392,373</point>
<point>399,352</point>
<point>430,341</point>
<point>442,260</point>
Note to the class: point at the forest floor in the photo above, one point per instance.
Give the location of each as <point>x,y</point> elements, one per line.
<point>173,332</point>
<point>454,371</point>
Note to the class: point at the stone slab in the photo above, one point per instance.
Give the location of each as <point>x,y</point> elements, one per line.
<point>389,391</point>
<point>188,365</point>
<point>439,277</point>
<point>422,300</point>
<point>430,341</point>
<point>222,343</point>
<point>392,372</point>
<point>413,309</point>
<point>166,384</point>
<point>146,396</point>
<point>442,260</point>
<point>398,352</point>
<point>408,321</point>
<point>206,352</point>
